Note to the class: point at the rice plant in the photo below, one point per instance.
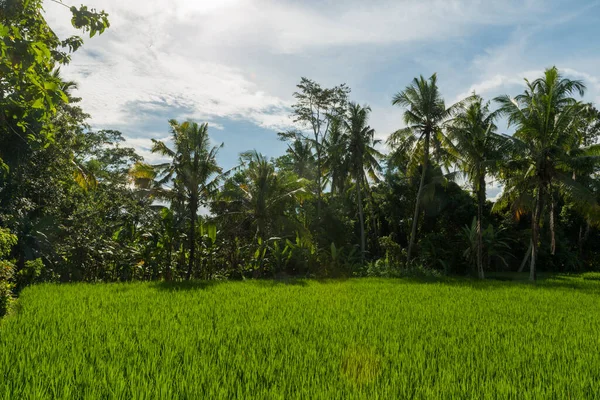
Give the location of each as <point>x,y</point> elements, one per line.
<point>359,338</point>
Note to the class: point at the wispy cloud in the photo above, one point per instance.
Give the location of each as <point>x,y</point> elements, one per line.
<point>235,62</point>
<point>190,54</point>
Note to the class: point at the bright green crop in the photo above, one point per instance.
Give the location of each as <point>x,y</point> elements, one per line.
<point>359,338</point>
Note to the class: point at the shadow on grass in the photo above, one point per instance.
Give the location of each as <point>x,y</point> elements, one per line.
<point>279,282</point>
<point>546,281</point>
<point>184,285</point>
<point>204,285</point>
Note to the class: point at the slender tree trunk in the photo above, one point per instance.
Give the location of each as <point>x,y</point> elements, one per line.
<point>319,173</point>
<point>480,205</point>
<point>526,257</point>
<point>371,201</point>
<point>580,241</point>
<point>415,222</point>
<point>168,273</point>
<point>586,234</point>
<point>552,225</point>
<point>203,267</point>
<point>192,260</point>
<point>535,233</point>
<point>362,220</point>
<point>181,261</point>
<point>583,236</point>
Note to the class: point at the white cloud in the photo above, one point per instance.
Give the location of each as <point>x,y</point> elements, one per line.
<point>213,60</point>
<point>292,27</point>
<point>143,147</point>
<point>115,87</point>
<point>193,55</point>
<point>137,69</point>
<point>386,119</point>
<point>502,69</point>
<point>512,82</point>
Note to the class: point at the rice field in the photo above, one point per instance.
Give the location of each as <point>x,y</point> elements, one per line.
<point>358,338</point>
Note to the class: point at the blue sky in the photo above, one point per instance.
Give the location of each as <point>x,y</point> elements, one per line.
<point>235,63</point>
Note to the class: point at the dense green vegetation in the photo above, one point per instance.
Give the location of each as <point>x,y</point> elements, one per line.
<point>76,205</point>
<point>84,219</point>
<point>358,338</point>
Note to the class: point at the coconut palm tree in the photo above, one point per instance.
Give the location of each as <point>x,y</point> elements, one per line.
<point>474,143</point>
<point>192,171</point>
<point>424,114</point>
<point>547,118</point>
<point>362,157</point>
<point>302,158</point>
<point>265,196</point>
<point>336,160</point>
<point>589,133</point>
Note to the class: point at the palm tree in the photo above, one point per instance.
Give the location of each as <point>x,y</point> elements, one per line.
<point>336,160</point>
<point>265,196</point>
<point>302,157</point>
<point>474,143</point>
<point>424,114</point>
<point>588,134</point>
<point>547,118</point>
<point>143,177</point>
<point>193,171</point>
<point>362,157</point>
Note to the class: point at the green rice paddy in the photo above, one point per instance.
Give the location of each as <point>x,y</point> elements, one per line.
<point>359,338</point>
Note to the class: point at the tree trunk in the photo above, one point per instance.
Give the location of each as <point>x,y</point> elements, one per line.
<point>192,259</point>
<point>480,205</point>
<point>168,274</point>
<point>526,257</point>
<point>552,226</point>
<point>415,221</point>
<point>535,233</point>
<point>583,236</point>
<point>371,201</point>
<point>319,173</point>
<point>362,221</point>
<point>586,234</point>
<point>580,241</point>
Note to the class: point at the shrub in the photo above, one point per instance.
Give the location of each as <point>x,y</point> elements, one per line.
<point>383,269</point>
<point>6,286</point>
<point>7,240</point>
<point>31,273</point>
<point>394,254</point>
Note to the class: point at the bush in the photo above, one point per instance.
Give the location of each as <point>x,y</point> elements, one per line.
<point>394,254</point>
<point>383,269</point>
<point>6,286</point>
<point>420,271</point>
<point>7,240</point>
<point>31,273</point>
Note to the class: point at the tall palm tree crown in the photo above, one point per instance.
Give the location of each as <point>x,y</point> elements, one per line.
<point>474,144</point>
<point>193,171</point>
<point>424,113</point>
<point>336,160</point>
<point>361,156</point>
<point>547,118</point>
<point>265,195</point>
<point>303,159</point>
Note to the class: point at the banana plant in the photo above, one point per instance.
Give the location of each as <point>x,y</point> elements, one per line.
<point>280,255</point>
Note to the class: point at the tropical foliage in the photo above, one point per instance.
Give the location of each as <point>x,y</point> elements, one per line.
<point>78,205</point>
